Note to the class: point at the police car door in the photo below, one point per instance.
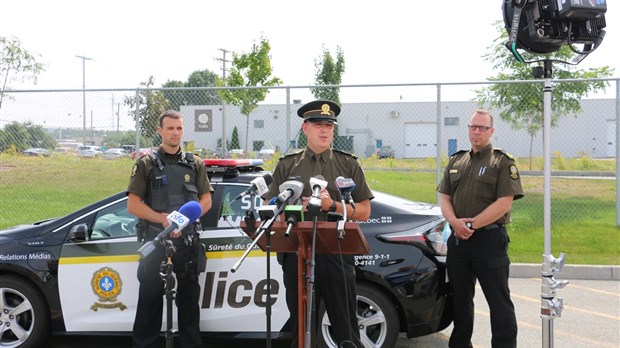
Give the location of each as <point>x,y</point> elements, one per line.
<point>97,281</point>
<point>236,301</point>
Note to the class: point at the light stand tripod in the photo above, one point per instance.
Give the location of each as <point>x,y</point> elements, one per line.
<point>165,272</point>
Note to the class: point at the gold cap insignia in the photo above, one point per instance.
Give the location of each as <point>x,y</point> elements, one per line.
<point>325,109</point>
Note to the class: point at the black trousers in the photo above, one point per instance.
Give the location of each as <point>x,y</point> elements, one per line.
<point>484,256</point>
<point>147,325</point>
<point>335,285</point>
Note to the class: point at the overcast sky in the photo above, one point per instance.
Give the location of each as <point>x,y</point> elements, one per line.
<point>384,42</point>
<point>405,41</point>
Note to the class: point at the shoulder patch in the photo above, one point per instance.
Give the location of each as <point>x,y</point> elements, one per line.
<point>134,170</point>
<point>345,153</point>
<point>514,173</point>
<point>504,153</point>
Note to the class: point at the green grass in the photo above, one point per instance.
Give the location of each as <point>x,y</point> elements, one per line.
<point>582,210</point>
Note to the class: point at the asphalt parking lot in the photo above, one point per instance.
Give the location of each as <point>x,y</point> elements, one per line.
<point>591,318</point>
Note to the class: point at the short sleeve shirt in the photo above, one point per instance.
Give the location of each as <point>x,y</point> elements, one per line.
<point>335,163</point>
<point>475,180</point>
<point>140,173</point>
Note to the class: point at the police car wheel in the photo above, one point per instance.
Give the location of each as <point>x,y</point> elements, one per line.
<point>25,317</point>
<point>377,317</point>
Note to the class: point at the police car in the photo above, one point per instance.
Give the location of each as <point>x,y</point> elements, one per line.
<point>77,274</point>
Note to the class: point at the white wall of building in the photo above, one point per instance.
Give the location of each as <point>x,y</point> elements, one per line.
<point>411,128</point>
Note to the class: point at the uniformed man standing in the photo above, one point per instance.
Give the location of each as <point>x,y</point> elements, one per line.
<point>477,191</point>
<point>161,183</point>
<point>334,273</point>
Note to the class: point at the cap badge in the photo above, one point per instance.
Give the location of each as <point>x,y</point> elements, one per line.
<point>325,109</point>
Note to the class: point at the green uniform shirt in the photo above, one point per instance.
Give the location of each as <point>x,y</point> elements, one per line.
<point>475,180</point>
<point>142,169</point>
<point>334,163</point>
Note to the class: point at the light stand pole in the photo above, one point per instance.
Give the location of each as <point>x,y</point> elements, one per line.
<point>550,307</point>
<point>84,59</point>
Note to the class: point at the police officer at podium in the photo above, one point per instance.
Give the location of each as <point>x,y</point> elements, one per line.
<point>334,273</point>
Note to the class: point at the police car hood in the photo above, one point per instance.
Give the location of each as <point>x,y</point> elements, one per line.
<point>25,231</point>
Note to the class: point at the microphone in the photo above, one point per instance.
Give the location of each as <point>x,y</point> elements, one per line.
<point>189,212</point>
<point>293,214</point>
<point>346,186</point>
<point>290,191</point>
<point>260,185</point>
<point>266,212</point>
<point>317,183</point>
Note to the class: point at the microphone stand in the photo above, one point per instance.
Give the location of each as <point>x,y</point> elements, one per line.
<point>343,220</point>
<point>310,306</point>
<point>169,284</point>
<point>265,227</point>
<point>315,211</point>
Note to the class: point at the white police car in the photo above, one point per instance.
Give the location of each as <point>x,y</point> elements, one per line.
<point>77,274</point>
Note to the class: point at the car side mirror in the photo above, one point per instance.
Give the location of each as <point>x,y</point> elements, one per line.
<point>78,233</point>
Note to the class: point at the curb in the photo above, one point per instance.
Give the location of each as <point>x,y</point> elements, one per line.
<point>587,272</point>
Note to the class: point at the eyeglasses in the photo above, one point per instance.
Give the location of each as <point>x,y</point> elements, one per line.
<point>480,128</point>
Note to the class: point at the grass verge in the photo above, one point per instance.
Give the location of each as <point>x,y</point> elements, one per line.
<point>582,210</point>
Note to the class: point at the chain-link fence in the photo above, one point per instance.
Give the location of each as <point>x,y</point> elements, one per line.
<point>404,126</point>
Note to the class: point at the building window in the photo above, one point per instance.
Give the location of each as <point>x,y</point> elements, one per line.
<point>451,121</point>
<point>259,123</point>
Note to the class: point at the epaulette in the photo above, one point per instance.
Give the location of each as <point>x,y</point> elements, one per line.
<point>458,152</point>
<point>504,153</point>
<point>291,154</point>
<point>345,153</point>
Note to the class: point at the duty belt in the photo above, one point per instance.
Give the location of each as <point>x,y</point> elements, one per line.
<point>490,227</point>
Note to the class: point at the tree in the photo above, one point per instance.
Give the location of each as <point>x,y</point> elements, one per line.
<point>198,78</point>
<point>16,61</point>
<point>117,139</point>
<point>249,70</point>
<point>151,104</point>
<point>22,136</point>
<point>328,72</point>
<point>521,105</point>
<point>234,140</point>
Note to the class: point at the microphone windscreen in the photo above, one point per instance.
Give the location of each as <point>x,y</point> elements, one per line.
<point>268,178</point>
<point>191,210</point>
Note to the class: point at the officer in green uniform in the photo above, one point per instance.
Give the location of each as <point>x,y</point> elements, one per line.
<point>161,183</point>
<point>334,273</point>
<point>477,191</point>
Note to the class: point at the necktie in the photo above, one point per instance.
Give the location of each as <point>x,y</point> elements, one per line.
<point>318,166</point>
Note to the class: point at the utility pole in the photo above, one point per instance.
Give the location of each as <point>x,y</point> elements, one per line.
<point>224,61</point>
<point>118,117</point>
<point>84,59</point>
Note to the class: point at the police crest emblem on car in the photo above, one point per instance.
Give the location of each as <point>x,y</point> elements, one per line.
<point>107,285</point>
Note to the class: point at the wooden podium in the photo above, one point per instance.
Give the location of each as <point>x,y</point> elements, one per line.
<point>300,241</point>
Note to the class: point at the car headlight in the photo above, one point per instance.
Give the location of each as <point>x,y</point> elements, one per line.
<point>432,235</point>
